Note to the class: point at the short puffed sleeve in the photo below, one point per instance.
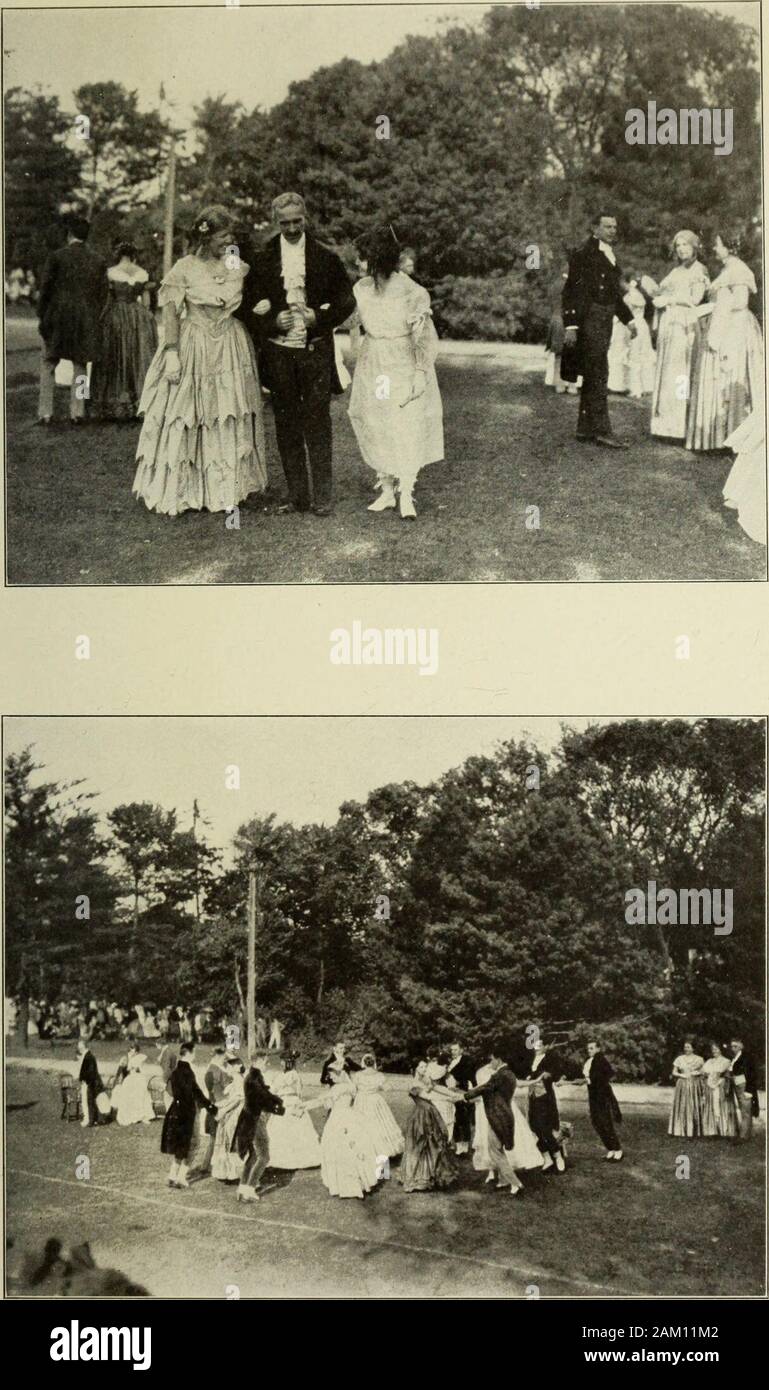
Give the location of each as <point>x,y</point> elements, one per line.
<point>738,273</point>
<point>174,285</point>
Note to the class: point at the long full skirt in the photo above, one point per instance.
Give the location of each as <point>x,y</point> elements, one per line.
<point>395,439</point>
<point>428,1161</point>
<point>720,1114</point>
<point>745,488</point>
<point>727,385</point>
<point>226,1165</point>
<point>525,1152</point>
<point>678,347</point>
<point>348,1163</point>
<point>133,1101</point>
<point>202,440</point>
<point>293,1141</point>
<point>383,1130</point>
<point>129,343</point>
<point>686,1115</point>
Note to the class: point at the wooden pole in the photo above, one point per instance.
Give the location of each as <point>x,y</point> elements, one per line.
<point>168,234</point>
<point>251,983</point>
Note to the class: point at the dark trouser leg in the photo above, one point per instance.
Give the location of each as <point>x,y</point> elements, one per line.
<point>603,1125</point>
<point>285,383</point>
<point>595,335</point>
<point>540,1121</point>
<point>463,1115</point>
<point>316,417</point>
<point>258,1158</point>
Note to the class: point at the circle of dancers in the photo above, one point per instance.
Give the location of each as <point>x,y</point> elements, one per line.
<point>234,333</point>
<point>246,1118</point>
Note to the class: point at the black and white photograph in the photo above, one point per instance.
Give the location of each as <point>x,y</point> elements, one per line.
<point>385,1007</point>
<point>349,294</point>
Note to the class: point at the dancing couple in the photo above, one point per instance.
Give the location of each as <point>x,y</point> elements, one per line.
<point>202,443</point>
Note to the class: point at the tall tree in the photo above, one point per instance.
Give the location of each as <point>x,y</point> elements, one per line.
<point>42,174</point>
<point>123,152</point>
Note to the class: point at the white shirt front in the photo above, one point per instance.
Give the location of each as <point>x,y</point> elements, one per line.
<point>607,251</point>
<point>292,269</point>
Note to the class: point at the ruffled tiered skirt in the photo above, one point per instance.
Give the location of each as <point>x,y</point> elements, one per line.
<point>202,441</point>
<point>727,384</point>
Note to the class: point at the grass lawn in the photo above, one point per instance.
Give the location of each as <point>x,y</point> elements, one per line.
<point>599,1230</point>
<point>653,513</point>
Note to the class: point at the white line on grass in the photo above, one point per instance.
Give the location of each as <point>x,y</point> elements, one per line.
<point>535,1275</point>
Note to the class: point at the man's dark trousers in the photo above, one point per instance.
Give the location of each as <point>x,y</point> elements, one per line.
<point>300,382</point>
<point>595,336</point>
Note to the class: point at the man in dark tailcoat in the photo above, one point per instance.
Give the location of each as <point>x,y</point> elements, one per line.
<point>250,1138</point>
<point>592,296</point>
<point>605,1113</point>
<point>73,294</point>
<point>462,1067</point>
<point>497,1094</point>
<point>301,293</point>
<point>91,1084</point>
<point>179,1122</point>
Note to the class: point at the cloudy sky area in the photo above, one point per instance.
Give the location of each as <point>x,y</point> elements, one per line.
<point>247,54</point>
<point>302,769</point>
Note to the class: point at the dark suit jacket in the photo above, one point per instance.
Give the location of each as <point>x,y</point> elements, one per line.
<point>89,1073</point>
<point>73,293</point>
<point>548,1070</point>
<point>463,1071</point>
<point>743,1065</point>
<point>257,1097</point>
<point>592,279</point>
<point>326,283</point>
<point>326,1079</point>
<point>497,1093</point>
<point>599,1088</point>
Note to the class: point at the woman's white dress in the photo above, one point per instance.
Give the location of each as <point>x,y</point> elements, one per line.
<point>202,441</point>
<point>348,1161</point>
<point>481,1159</point>
<point>395,439</point>
<point>292,1137</point>
<point>745,488</point>
<point>525,1153</point>
<point>679,340</point>
<point>383,1129</point>
<point>226,1165</point>
<point>131,1099</point>
<point>728,382</point>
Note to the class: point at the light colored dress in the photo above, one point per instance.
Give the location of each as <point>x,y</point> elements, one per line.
<point>292,1137</point>
<point>481,1158</point>
<point>686,1115</point>
<point>679,338</point>
<point>348,1161</point>
<point>729,381</point>
<point>383,1129</point>
<point>745,488</point>
<point>720,1115</point>
<point>437,1074</point>
<point>131,1099</point>
<point>202,441</point>
<point>396,440</point>
<point>226,1165</point>
<point>525,1153</point>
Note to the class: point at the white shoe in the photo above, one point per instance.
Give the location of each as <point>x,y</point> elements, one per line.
<point>617,1155</point>
<point>491,1177</point>
<point>407,508</point>
<point>384,501</point>
<point>548,1163</point>
<point>559,1163</point>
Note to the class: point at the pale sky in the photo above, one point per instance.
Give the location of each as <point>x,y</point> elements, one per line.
<point>302,769</point>
<point>249,54</point>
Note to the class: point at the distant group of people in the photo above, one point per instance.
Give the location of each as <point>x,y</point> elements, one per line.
<point>706,378</point>
<point>715,1097</point>
<point>104,1019</point>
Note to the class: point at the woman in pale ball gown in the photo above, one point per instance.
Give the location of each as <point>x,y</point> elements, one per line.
<point>202,441</point>
<point>227,1164</point>
<point>745,488</point>
<point>129,339</point>
<point>133,1102</point>
<point>720,1115</point>
<point>686,1115</point>
<point>348,1160</point>
<point>384,1131</point>
<point>292,1138</point>
<point>395,404</point>
<point>729,381</point>
<point>679,336</point>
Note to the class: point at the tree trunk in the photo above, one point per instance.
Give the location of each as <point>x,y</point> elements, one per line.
<point>321,981</point>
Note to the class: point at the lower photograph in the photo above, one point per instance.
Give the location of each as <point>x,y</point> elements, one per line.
<point>372,1007</point>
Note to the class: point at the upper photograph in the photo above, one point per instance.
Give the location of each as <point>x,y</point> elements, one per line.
<point>384,294</point>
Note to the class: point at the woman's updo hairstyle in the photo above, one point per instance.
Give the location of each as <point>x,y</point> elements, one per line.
<point>125,248</point>
<point>214,218</point>
<point>381,250</point>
